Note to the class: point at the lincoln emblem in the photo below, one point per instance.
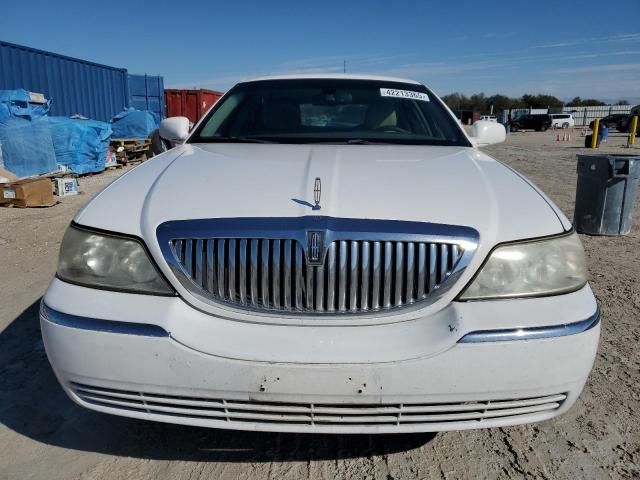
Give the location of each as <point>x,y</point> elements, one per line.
<point>317,191</point>
<point>315,248</point>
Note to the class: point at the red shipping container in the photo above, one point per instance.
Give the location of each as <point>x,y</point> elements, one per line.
<point>192,104</point>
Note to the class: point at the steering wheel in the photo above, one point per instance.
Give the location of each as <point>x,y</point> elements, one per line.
<point>390,129</point>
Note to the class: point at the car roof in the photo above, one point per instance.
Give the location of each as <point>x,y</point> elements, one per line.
<point>331,76</point>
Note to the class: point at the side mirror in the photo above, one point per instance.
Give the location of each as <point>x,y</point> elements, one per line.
<point>175,129</point>
<point>487,133</point>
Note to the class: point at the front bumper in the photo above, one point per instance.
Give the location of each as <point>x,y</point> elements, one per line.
<point>469,385</point>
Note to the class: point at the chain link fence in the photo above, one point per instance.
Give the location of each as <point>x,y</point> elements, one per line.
<point>582,116</point>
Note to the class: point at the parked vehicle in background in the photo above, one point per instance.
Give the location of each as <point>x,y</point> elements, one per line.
<point>489,118</point>
<point>537,122</point>
<point>624,124</point>
<point>325,254</point>
<point>614,120</point>
<point>562,120</point>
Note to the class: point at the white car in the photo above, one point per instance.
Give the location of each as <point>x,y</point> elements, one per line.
<point>562,120</point>
<point>323,254</point>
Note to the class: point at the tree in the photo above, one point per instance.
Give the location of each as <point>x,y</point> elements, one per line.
<point>592,102</point>
<point>587,102</point>
<point>622,102</point>
<point>541,101</point>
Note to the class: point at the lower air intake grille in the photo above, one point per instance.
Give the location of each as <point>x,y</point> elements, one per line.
<point>238,412</point>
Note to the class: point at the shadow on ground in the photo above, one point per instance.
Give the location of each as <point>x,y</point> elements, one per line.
<point>33,404</point>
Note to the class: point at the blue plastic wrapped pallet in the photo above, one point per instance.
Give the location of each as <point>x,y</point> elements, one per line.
<point>80,145</point>
<point>132,123</point>
<point>27,147</point>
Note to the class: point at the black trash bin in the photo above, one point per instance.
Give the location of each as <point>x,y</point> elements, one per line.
<point>605,193</point>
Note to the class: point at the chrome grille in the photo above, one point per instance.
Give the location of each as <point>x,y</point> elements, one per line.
<point>356,275</point>
<point>233,411</point>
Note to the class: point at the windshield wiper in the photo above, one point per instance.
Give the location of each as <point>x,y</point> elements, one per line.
<point>238,140</point>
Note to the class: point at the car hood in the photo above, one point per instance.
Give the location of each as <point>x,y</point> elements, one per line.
<point>449,185</point>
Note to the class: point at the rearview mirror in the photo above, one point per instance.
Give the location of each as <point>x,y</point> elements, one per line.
<point>485,133</point>
<point>175,129</point>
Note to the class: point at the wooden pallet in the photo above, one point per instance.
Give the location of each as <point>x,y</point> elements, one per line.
<point>131,149</point>
<point>140,157</point>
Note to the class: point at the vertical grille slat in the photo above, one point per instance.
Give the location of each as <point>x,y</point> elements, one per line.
<point>231,270</point>
<point>342,276</point>
<point>364,282</point>
<point>376,302</point>
<point>354,281</point>
<point>320,288</point>
<point>444,262</point>
<point>356,275</point>
<point>410,273</point>
<point>455,253</point>
<point>331,280</point>
<point>299,281</point>
<point>433,249</point>
<point>399,275</point>
<point>275,277</point>
<point>211,271</point>
<point>178,248</point>
<point>388,274</point>
<point>221,261</point>
<point>286,273</point>
<point>188,257</point>
<point>422,270</point>
<point>308,291</point>
<point>254,272</point>
<point>242,272</point>
<point>199,263</point>
<point>264,274</point>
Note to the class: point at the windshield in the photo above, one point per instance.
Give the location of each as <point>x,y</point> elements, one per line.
<point>330,111</point>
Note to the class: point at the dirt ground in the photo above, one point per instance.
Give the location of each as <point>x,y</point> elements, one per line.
<point>43,435</point>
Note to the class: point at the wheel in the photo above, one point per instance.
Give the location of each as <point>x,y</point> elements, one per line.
<point>565,125</point>
<point>544,128</point>
<point>514,127</point>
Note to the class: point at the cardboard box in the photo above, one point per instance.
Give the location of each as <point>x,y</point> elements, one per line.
<point>65,186</point>
<point>30,192</point>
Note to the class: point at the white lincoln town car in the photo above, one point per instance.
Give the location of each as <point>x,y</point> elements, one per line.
<point>323,254</point>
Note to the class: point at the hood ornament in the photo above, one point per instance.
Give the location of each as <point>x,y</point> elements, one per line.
<point>317,192</point>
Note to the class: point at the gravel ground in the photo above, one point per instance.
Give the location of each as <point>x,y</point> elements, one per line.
<point>43,435</point>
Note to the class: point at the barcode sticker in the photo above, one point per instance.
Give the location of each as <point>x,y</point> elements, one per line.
<point>394,92</point>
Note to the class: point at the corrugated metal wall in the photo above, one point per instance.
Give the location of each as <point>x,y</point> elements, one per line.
<point>74,86</point>
<point>146,92</point>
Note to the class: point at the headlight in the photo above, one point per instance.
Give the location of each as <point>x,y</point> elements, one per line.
<point>108,261</point>
<point>542,267</point>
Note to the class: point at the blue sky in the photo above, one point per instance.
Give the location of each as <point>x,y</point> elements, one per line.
<point>587,48</point>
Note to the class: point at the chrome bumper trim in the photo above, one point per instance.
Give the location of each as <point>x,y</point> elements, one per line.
<point>97,325</point>
<point>532,333</point>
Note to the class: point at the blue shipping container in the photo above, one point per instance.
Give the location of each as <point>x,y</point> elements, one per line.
<point>146,92</point>
<point>77,86</point>
<point>74,86</point>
